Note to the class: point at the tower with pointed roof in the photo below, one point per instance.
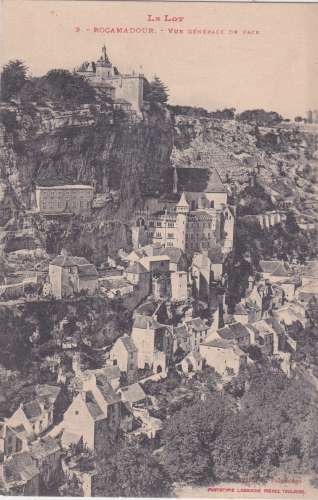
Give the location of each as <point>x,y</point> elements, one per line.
<point>182,210</point>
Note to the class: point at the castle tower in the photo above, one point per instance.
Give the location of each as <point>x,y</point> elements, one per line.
<point>175,180</point>
<point>104,68</point>
<point>182,209</point>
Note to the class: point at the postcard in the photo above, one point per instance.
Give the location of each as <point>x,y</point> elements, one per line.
<point>158,249</point>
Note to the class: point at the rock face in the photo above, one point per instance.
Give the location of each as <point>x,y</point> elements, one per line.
<point>123,159</point>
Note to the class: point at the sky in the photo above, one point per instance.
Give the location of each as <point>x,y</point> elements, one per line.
<point>251,55</point>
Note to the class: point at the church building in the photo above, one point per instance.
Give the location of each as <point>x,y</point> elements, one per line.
<point>196,216</point>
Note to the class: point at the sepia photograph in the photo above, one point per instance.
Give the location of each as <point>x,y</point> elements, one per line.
<point>159,249</point>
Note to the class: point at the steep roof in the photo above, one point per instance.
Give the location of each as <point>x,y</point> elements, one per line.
<point>198,324</point>
<point>199,180</point>
<point>44,447</point>
<point>219,343</point>
<point>68,261</point>
<point>183,201</point>
<point>233,331</point>
<point>93,407</point>
<point>136,268</point>
<point>32,409</point>
<point>107,391</point>
<point>175,254</point>
<point>273,266</point>
<point>145,322</point>
<point>20,467</point>
<point>87,270</point>
<point>110,372</point>
<point>128,343</point>
<point>133,393</point>
<point>47,391</point>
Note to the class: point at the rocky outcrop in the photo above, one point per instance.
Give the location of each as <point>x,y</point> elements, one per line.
<point>123,157</point>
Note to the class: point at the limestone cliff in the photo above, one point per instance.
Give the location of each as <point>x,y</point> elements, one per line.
<point>123,157</point>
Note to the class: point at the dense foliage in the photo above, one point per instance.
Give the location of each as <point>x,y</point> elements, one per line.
<point>13,77</point>
<point>156,91</point>
<point>272,430</point>
<point>260,117</point>
<point>58,85</point>
<point>131,470</point>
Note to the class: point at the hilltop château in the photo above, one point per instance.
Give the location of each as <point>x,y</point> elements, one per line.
<point>121,88</point>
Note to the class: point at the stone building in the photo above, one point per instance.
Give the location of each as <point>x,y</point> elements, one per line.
<point>194,217</point>
<point>66,198</point>
<point>95,412</point>
<point>69,275</point>
<point>153,343</point>
<point>123,89</point>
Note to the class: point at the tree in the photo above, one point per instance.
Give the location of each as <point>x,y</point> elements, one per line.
<point>132,471</point>
<point>189,436</point>
<point>13,77</point>
<point>157,91</point>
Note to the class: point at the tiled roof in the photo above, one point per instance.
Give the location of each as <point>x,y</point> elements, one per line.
<point>133,393</point>
<point>198,180</point>
<point>174,254</point>
<point>219,343</point>
<point>110,372</point>
<point>68,261</point>
<point>198,324</point>
<point>128,343</point>
<point>32,409</point>
<point>20,467</point>
<point>107,391</point>
<point>93,407</point>
<point>136,268</point>
<point>50,391</point>
<point>233,331</point>
<point>145,322</point>
<point>87,270</point>
<point>147,308</point>
<point>269,266</point>
<point>44,447</point>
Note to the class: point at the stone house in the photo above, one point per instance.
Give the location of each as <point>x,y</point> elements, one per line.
<point>153,343</point>
<point>46,454</point>
<point>35,417</point>
<point>192,362</point>
<point>69,275</point>
<point>124,354</point>
<point>134,395</point>
<point>11,441</point>
<point>236,332</point>
<point>224,356</point>
<point>94,413</point>
<point>247,313</point>
<point>179,286</point>
<point>20,476</point>
<point>197,332</point>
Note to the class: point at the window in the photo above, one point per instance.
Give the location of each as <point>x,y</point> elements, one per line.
<point>115,362</point>
<point>212,204</point>
<point>170,235</point>
<point>76,412</point>
<point>158,224</point>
